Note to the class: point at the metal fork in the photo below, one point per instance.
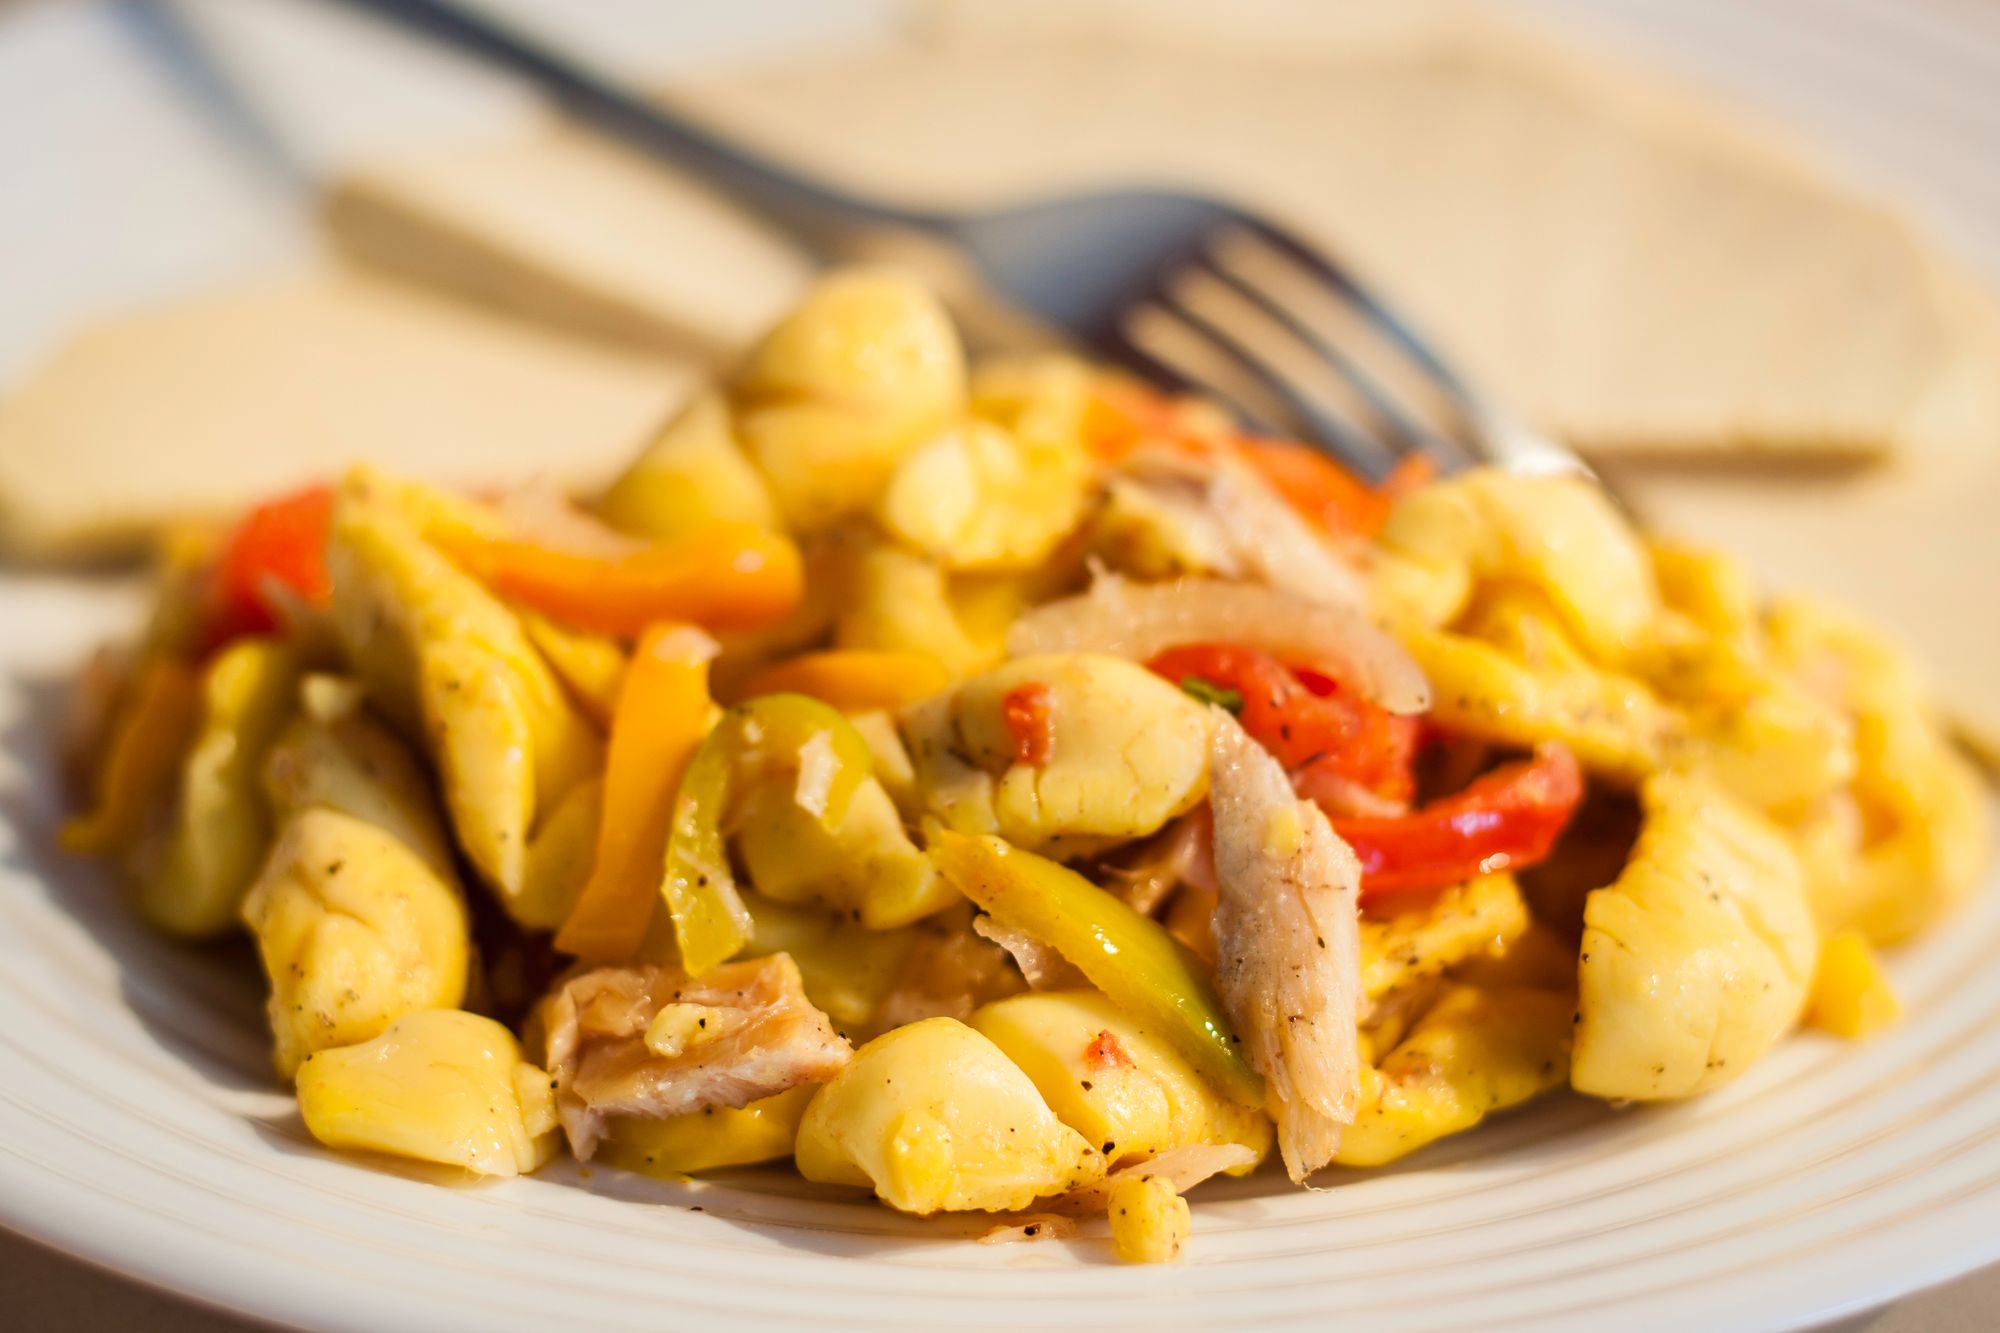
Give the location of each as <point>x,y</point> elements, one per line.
<point>1188,292</point>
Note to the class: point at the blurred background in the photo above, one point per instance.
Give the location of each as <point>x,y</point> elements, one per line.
<point>155,148</point>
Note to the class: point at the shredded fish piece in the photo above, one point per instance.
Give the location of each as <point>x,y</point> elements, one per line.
<point>1255,534</point>
<point>952,971</point>
<point>1276,546</point>
<point>1288,946</point>
<point>1044,968</point>
<point>740,1033</point>
<point>1178,854</point>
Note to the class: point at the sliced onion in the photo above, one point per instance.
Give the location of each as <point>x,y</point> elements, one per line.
<point>1276,546</point>
<point>1044,968</point>
<point>1030,1228</point>
<point>1186,1166</point>
<point>1342,797</point>
<point>1140,621</point>
<point>542,516</point>
<point>1255,533</point>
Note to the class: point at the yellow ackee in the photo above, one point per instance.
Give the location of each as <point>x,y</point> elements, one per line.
<point>355,931</point>
<point>1474,1052</point>
<point>1851,994</point>
<point>441,1086</point>
<point>1120,1086</point>
<point>222,827</point>
<point>1150,1221</point>
<point>1127,751</point>
<point>934,1118</point>
<point>824,795</point>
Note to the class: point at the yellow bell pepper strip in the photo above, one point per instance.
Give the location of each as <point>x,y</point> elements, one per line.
<point>146,746</point>
<point>726,576</point>
<point>774,733</point>
<point>854,680</point>
<point>662,712</point>
<point>1128,956</point>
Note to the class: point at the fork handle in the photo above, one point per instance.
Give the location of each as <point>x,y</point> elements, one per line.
<point>811,211</point>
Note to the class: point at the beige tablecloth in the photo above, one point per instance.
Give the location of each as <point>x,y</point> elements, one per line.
<point>40,1290</point>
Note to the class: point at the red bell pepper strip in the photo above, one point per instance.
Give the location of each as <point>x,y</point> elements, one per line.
<point>282,542</point>
<point>1303,718</point>
<point>1507,820</point>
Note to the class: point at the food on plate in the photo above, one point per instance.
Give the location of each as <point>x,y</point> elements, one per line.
<point>1006,790</point>
<point>439,1085</point>
<point>934,1117</point>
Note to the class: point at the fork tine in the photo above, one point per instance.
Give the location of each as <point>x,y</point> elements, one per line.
<point>1395,330</point>
<point>1411,431</point>
<point>1120,346</point>
<point>1352,445</point>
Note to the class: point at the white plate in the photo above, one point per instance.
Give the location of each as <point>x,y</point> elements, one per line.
<point>139,1128</point>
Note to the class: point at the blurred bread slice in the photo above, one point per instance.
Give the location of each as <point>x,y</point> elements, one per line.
<point>566,227</point>
<point>1608,250</point>
<point>1600,251</point>
<point>200,407</point>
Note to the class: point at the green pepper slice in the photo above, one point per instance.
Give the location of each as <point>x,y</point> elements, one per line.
<point>1128,956</point>
<point>771,734</point>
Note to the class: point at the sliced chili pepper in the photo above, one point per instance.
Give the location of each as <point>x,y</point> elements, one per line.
<point>1029,713</point>
<point>1506,820</point>
<point>1303,718</point>
<point>1105,1051</point>
<point>283,543</point>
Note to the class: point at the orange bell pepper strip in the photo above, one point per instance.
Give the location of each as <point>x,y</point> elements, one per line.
<point>663,711</point>
<point>1121,415</point>
<point>145,746</point>
<point>854,680</point>
<point>726,576</point>
<point>1326,494</point>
